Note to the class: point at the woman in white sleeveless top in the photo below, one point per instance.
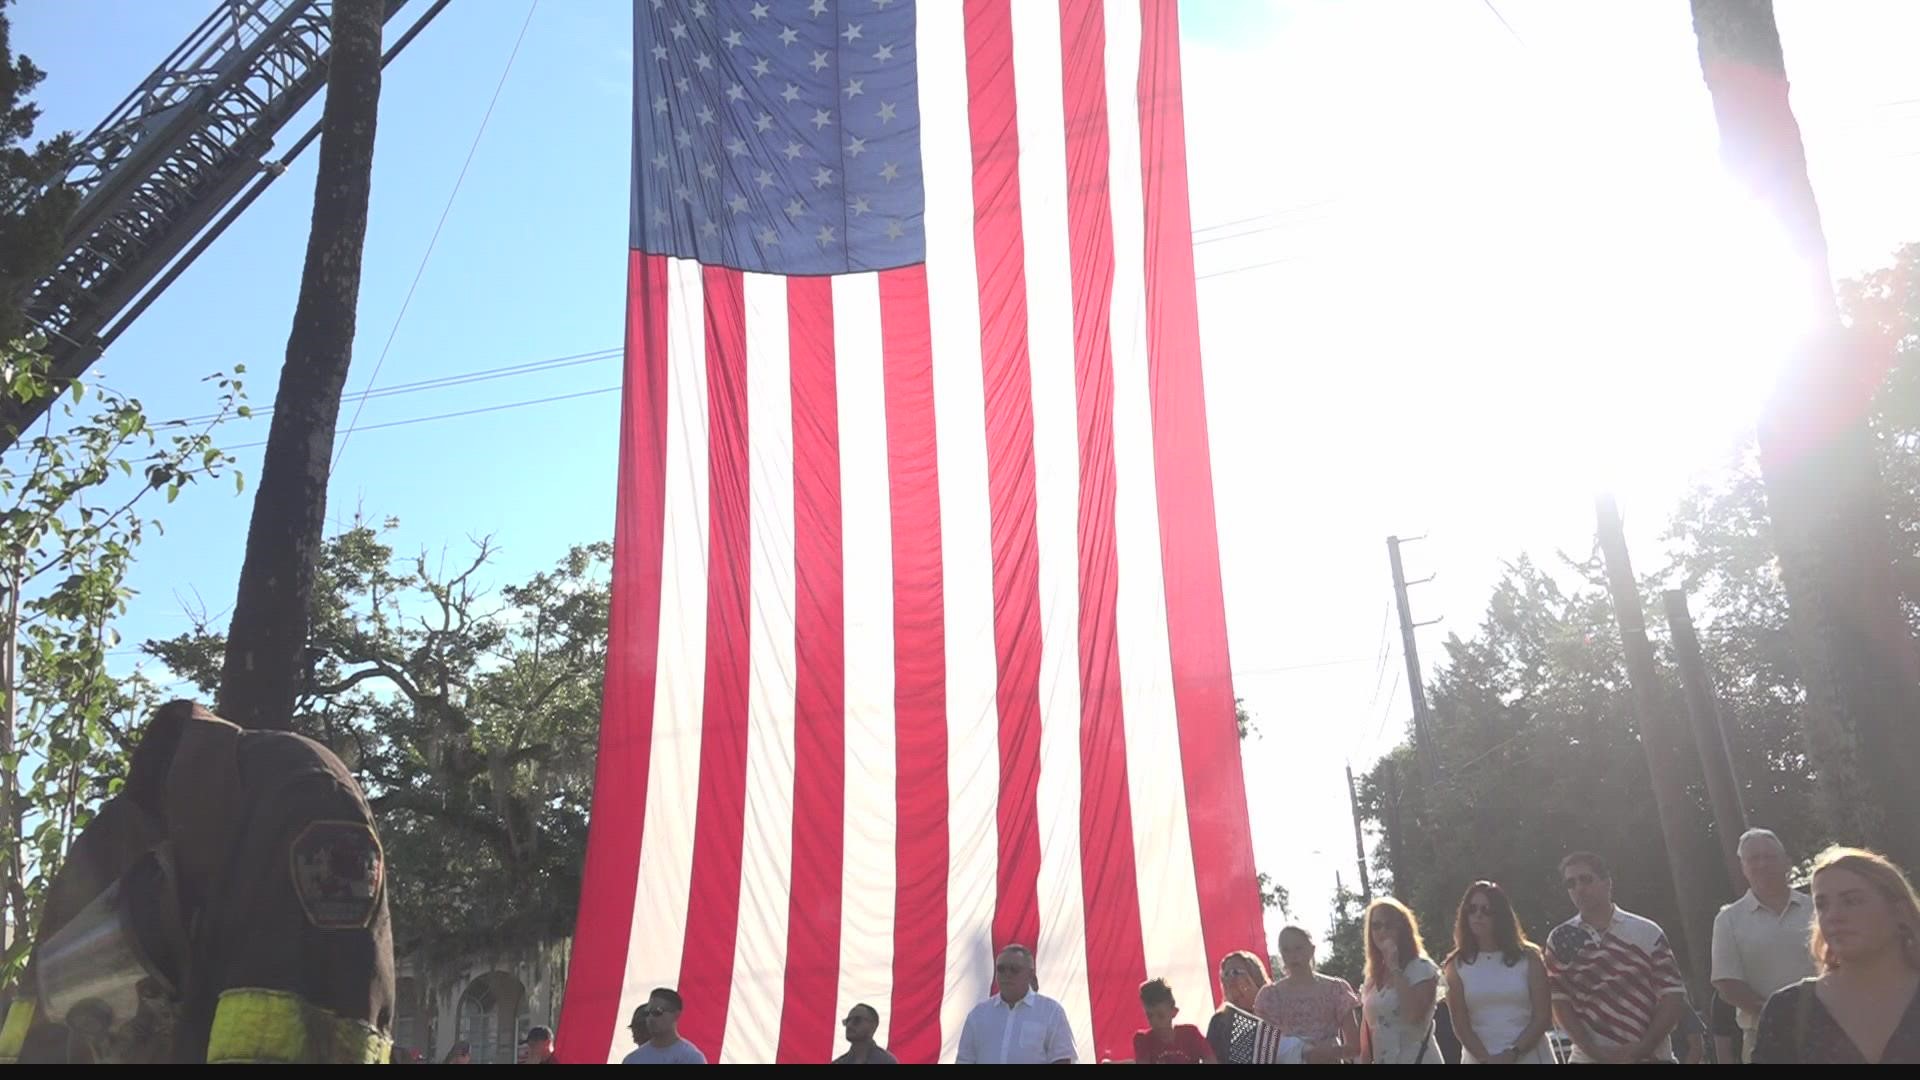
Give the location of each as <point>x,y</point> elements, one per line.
<point>1396,1007</point>
<point>1497,984</point>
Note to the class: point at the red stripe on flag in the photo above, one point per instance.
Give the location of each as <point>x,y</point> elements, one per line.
<point>713,900</point>
<point>1189,543</point>
<point>1000,255</point>
<point>1116,960</point>
<point>598,974</point>
<point>807,1017</point>
<point>919,670</point>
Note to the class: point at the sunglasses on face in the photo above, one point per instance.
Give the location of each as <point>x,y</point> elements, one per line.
<point>1580,881</point>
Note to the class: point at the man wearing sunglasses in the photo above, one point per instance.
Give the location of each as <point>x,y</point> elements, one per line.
<point>656,1033</point>
<point>1617,990</point>
<point>861,1023</point>
<point>1018,1025</point>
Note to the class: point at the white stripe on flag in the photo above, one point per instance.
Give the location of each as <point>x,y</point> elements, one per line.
<point>766,870</point>
<point>666,857</point>
<point>867,877</point>
<point>953,314</point>
<point>1062,948</point>
<point>1175,946</point>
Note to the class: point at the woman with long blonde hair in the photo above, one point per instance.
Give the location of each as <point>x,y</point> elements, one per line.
<point>1396,1006</point>
<point>1864,1006</point>
<point>1242,976</point>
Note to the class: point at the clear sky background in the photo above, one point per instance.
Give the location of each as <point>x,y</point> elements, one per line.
<point>1440,243</point>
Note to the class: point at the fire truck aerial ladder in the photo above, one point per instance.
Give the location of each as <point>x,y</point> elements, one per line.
<point>189,145</point>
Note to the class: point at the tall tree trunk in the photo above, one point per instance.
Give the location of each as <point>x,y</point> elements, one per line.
<point>13,862</point>
<point>1858,659</point>
<point>266,643</point>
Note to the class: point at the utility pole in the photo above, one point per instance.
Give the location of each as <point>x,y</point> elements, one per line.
<point>1396,833</point>
<point>1658,738</point>
<point>1359,845</point>
<point>1410,650</point>
<point>1723,790</point>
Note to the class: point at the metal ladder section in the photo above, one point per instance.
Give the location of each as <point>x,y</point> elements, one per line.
<point>170,157</point>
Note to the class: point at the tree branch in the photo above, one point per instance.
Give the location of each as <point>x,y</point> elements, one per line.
<point>412,802</point>
<point>330,689</point>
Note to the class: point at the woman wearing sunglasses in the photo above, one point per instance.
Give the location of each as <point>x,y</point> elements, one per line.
<point>1497,984</point>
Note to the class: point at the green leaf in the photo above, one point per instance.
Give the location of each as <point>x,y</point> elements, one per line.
<point>173,491</point>
<point>239,482</point>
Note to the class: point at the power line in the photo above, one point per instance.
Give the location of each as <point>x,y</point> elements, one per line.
<point>464,412</point>
<point>435,238</point>
<point>446,382</point>
<point>1342,662</point>
<point>1505,23</point>
<point>1251,266</point>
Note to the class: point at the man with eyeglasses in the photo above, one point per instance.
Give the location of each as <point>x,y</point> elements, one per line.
<point>1018,1025</point>
<point>656,1033</point>
<point>861,1023</point>
<point>1617,990</point>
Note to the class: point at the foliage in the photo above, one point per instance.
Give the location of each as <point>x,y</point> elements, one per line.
<point>32,216</point>
<point>1273,894</point>
<point>470,720</point>
<point>1531,719</point>
<point>71,522</point>
<point>1344,951</point>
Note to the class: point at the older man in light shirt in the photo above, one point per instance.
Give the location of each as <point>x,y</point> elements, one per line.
<point>1018,1025</point>
<point>1760,941</point>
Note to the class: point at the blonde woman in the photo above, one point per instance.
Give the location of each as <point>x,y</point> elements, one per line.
<point>1864,1006</point>
<point>1242,975</point>
<point>1396,1004</point>
<point>1308,1004</point>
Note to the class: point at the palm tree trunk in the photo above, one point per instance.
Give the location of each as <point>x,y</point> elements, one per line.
<point>266,643</point>
<point>1858,660</point>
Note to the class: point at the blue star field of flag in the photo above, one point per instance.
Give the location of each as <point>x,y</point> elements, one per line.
<point>778,136</point>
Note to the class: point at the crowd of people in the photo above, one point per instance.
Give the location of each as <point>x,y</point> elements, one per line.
<point>1827,976</point>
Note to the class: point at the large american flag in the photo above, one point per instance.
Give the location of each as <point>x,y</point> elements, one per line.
<point>918,642</point>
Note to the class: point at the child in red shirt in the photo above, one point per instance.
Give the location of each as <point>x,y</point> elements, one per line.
<point>1163,1043</point>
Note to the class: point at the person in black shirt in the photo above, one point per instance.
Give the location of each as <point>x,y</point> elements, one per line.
<point>1864,1006</point>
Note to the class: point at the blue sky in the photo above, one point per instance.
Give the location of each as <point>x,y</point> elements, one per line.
<point>1437,201</point>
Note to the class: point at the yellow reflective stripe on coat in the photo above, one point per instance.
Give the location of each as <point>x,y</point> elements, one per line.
<point>273,1026</point>
<point>14,1035</point>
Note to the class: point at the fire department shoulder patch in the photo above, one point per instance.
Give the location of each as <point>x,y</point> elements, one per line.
<point>338,872</point>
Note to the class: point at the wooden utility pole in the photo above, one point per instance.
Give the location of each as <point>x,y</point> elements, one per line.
<point>1723,790</point>
<point>1828,505</point>
<point>1660,739</point>
<point>267,640</point>
<point>1396,830</point>
<point>1359,845</point>
<point>1410,651</point>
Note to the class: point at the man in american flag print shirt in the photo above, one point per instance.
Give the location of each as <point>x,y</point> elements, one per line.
<point>1617,989</point>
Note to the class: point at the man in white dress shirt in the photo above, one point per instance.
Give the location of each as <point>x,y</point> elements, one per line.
<point>1019,1025</point>
<point>1760,941</point>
